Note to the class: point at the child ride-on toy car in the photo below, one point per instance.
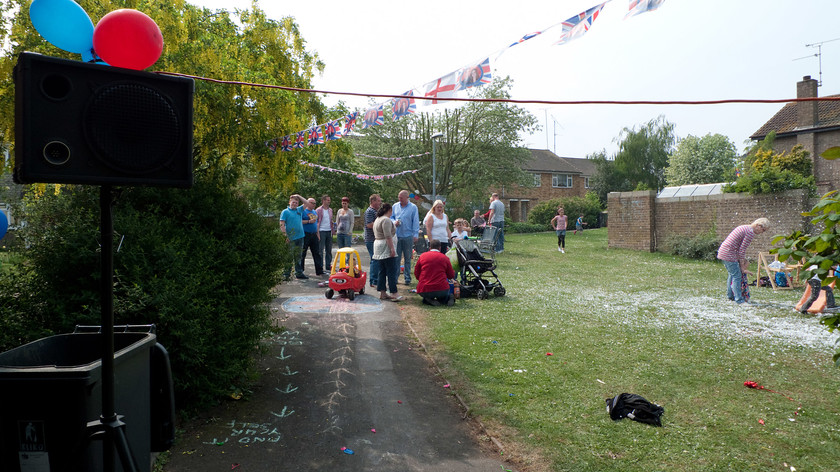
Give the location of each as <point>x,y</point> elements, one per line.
<point>346,275</point>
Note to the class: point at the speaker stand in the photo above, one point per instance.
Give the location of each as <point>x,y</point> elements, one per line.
<point>109,428</point>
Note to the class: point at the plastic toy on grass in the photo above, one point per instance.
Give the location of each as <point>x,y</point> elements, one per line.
<point>346,276</point>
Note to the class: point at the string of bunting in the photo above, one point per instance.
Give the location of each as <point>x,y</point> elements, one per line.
<point>448,86</point>
<point>356,174</point>
<point>393,158</point>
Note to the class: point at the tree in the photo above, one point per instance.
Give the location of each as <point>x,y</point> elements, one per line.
<point>231,122</point>
<point>607,178</point>
<point>479,148</point>
<point>706,160</point>
<point>643,154</point>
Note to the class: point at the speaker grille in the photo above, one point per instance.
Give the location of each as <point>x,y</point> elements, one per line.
<point>132,128</point>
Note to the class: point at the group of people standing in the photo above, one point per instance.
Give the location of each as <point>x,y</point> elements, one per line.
<point>312,229</point>
<point>390,234</point>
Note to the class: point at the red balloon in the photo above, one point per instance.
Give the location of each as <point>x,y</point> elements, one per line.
<point>128,38</point>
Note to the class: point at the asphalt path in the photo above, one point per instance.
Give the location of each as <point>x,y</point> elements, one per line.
<point>343,388</point>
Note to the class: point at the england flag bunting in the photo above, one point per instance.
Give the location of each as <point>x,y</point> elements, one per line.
<point>444,87</point>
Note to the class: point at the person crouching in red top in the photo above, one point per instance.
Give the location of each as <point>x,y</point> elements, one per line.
<point>433,271</point>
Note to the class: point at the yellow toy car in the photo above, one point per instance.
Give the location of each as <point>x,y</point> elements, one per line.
<point>346,276</point>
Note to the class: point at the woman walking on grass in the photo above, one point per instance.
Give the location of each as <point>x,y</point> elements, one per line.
<point>559,223</point>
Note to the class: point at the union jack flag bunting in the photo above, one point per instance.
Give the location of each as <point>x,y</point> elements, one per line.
<point>350,122</point>
<point>579,24</point>
<point>333,131</point>
<point>286,144</point>
<point>444,87</point>
<point>272,145</point>
<point>300,140</point>
<point>641,6</point>
<point>526,38</point>
<point>403,106</point>
<point>373,116</point>
<point>316,136</point>
<point>474,75</point>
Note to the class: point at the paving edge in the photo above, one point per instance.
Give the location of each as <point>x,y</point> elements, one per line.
<point>464,405</point>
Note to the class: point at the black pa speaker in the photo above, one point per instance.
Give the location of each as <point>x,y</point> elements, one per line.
<point>92,124</point>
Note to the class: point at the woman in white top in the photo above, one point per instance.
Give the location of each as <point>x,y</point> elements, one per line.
<point>385,251</point>
<point>437,226</point>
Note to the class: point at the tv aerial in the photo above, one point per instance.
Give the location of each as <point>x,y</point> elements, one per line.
<point>818,55</point>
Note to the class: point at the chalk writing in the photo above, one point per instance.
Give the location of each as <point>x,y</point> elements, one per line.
<point>250,433</point>
<point>288,389</point>
<point>283,355</point>
<point>288,338</point>
<point>283,414</point>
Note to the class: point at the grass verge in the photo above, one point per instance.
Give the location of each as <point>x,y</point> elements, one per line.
<point>653,324</point>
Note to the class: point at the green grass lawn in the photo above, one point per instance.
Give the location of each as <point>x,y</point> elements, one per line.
<point>652,324</point>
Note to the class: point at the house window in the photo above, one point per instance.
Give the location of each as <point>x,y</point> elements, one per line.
<point>561,180</point>
<point>586,182</point>
<point>537,180</point>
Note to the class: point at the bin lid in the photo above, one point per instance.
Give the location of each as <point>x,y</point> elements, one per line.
<point>78,352</point>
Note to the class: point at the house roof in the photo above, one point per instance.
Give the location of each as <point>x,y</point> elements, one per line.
<point>543,160</point>
<point>784,121</point>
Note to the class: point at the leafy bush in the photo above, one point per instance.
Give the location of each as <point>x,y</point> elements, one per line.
<point>704,246</point>
<point>588,206</point>
<point>770,180</point>
<point>767,171</point>
<point>196,263</point>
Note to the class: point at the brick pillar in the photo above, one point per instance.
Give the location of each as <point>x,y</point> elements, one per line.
<point>632,220</point>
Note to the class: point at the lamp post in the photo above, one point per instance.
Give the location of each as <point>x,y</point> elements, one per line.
<point>434,166</point>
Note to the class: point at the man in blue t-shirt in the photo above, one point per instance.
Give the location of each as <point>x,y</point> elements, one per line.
<point>310,237</point>
<point>407,221</point>
<point>291,222</point>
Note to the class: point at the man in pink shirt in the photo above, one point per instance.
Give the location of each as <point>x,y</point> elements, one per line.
<point>733,253</point>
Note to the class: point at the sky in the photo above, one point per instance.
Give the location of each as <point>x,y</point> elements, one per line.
<point>685,50</point>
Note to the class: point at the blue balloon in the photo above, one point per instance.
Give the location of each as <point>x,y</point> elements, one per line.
<point>64,23</point>
<point>4,224</point>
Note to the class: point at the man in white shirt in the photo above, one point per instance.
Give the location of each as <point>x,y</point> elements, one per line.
<point>497,219</point>
<point>326,230</point>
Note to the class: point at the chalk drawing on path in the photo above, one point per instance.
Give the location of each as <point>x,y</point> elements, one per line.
<point>320,304</point>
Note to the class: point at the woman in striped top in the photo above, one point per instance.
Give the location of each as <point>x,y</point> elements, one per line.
<point>733,253</point>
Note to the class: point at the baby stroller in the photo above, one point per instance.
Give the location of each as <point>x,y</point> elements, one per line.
<point>478,276</point>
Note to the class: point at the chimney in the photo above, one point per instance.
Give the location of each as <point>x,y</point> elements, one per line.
<point>806,112</point>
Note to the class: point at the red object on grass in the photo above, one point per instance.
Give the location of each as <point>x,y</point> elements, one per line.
<point>757,386</point>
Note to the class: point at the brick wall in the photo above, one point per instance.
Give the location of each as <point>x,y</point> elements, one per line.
<point>640,221</point>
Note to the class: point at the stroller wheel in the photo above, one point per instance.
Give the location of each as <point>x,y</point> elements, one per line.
<point>329,293</point>
<point>351,294</point>
<point>481,294</point>
<point>499,291</point>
